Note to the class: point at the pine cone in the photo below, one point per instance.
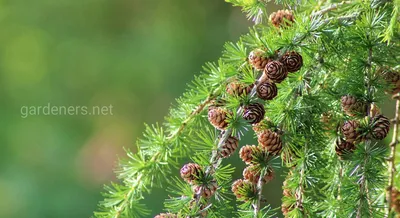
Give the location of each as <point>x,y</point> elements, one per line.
<point>276,71</point>
<point>229,147</point>
<point>254,113</point>
<point>248,152</point>
<point>352,106</point>
<point>286,191</point>
<point>252,174</point>
<point>349,130</point>
<point>238,89</point>
<point>258,59</point>
<point>236,186</point>
<point>267,90</point>
<point>217,117</point>
<point>393,78</point>
<point>243,189</point>
<point>166,215</point>
<point>343,147</point>
<point>381,126</point>
<point>270,141</point>
<point>282,18</point>
<point>395,202</point>
<point>286,208</point>
<point>292,60</point>
<point>207,190</point>
<point>191,172</point>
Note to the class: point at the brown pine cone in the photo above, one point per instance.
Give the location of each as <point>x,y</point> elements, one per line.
<point>276,71</point>
<point>282,18</point>
<point>381,127</point>
<point>236,186</point>
<point>229,147</point>
<point>270,141</point>
<point>395,202</point>
<point>292,60</point>
<point>254,113</point>
<point>248,152</point>
<point>191,172</point>
<point>166,215</point>
<point>343,147</point>
<point>286,208</point>
<point>349,130</point>
<point>286,191</point>
<point>252,174</point>
<point>267,90</point>
<point>206,191</point>
<point>243,189</point>
<point>238,89</point>
<point>393,78</point>
<point>218,118</point>
<point>352,106</point>
<point>258,59</point>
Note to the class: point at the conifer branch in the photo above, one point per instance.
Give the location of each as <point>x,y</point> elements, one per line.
<point>330,8</point>
<point>363,183</point>
<point>392,157</point>
<point>296,111</point>
<point>198,110</point>
<point>342,18</point>
<point>257,204</point>
<point>215,159</point>
<point>363,189</point>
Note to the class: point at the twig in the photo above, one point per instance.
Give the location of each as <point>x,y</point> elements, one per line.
<point>363,188</point>
<point>342,18</point>
<point>367,78</point>
<point>259,193</point>
<point>126,199</point>
<point>300,192</point>
<point>198,110</point>
<point>392,156</point>
<point>340,181</point>
<point>329,8</point>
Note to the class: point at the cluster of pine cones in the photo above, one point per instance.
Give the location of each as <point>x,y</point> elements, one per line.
<point>353,132</point>
<point>194,174</point>
<point>246,188</point>
<point>275,70</point>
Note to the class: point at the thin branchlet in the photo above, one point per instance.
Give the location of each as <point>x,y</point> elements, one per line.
<point>392,157</point>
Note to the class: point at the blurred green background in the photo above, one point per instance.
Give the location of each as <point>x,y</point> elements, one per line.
<point>137,55</point>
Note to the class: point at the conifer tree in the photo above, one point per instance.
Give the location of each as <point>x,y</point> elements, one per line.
<point>307,82</point>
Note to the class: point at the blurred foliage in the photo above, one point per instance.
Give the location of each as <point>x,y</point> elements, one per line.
<point>136,55</point>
